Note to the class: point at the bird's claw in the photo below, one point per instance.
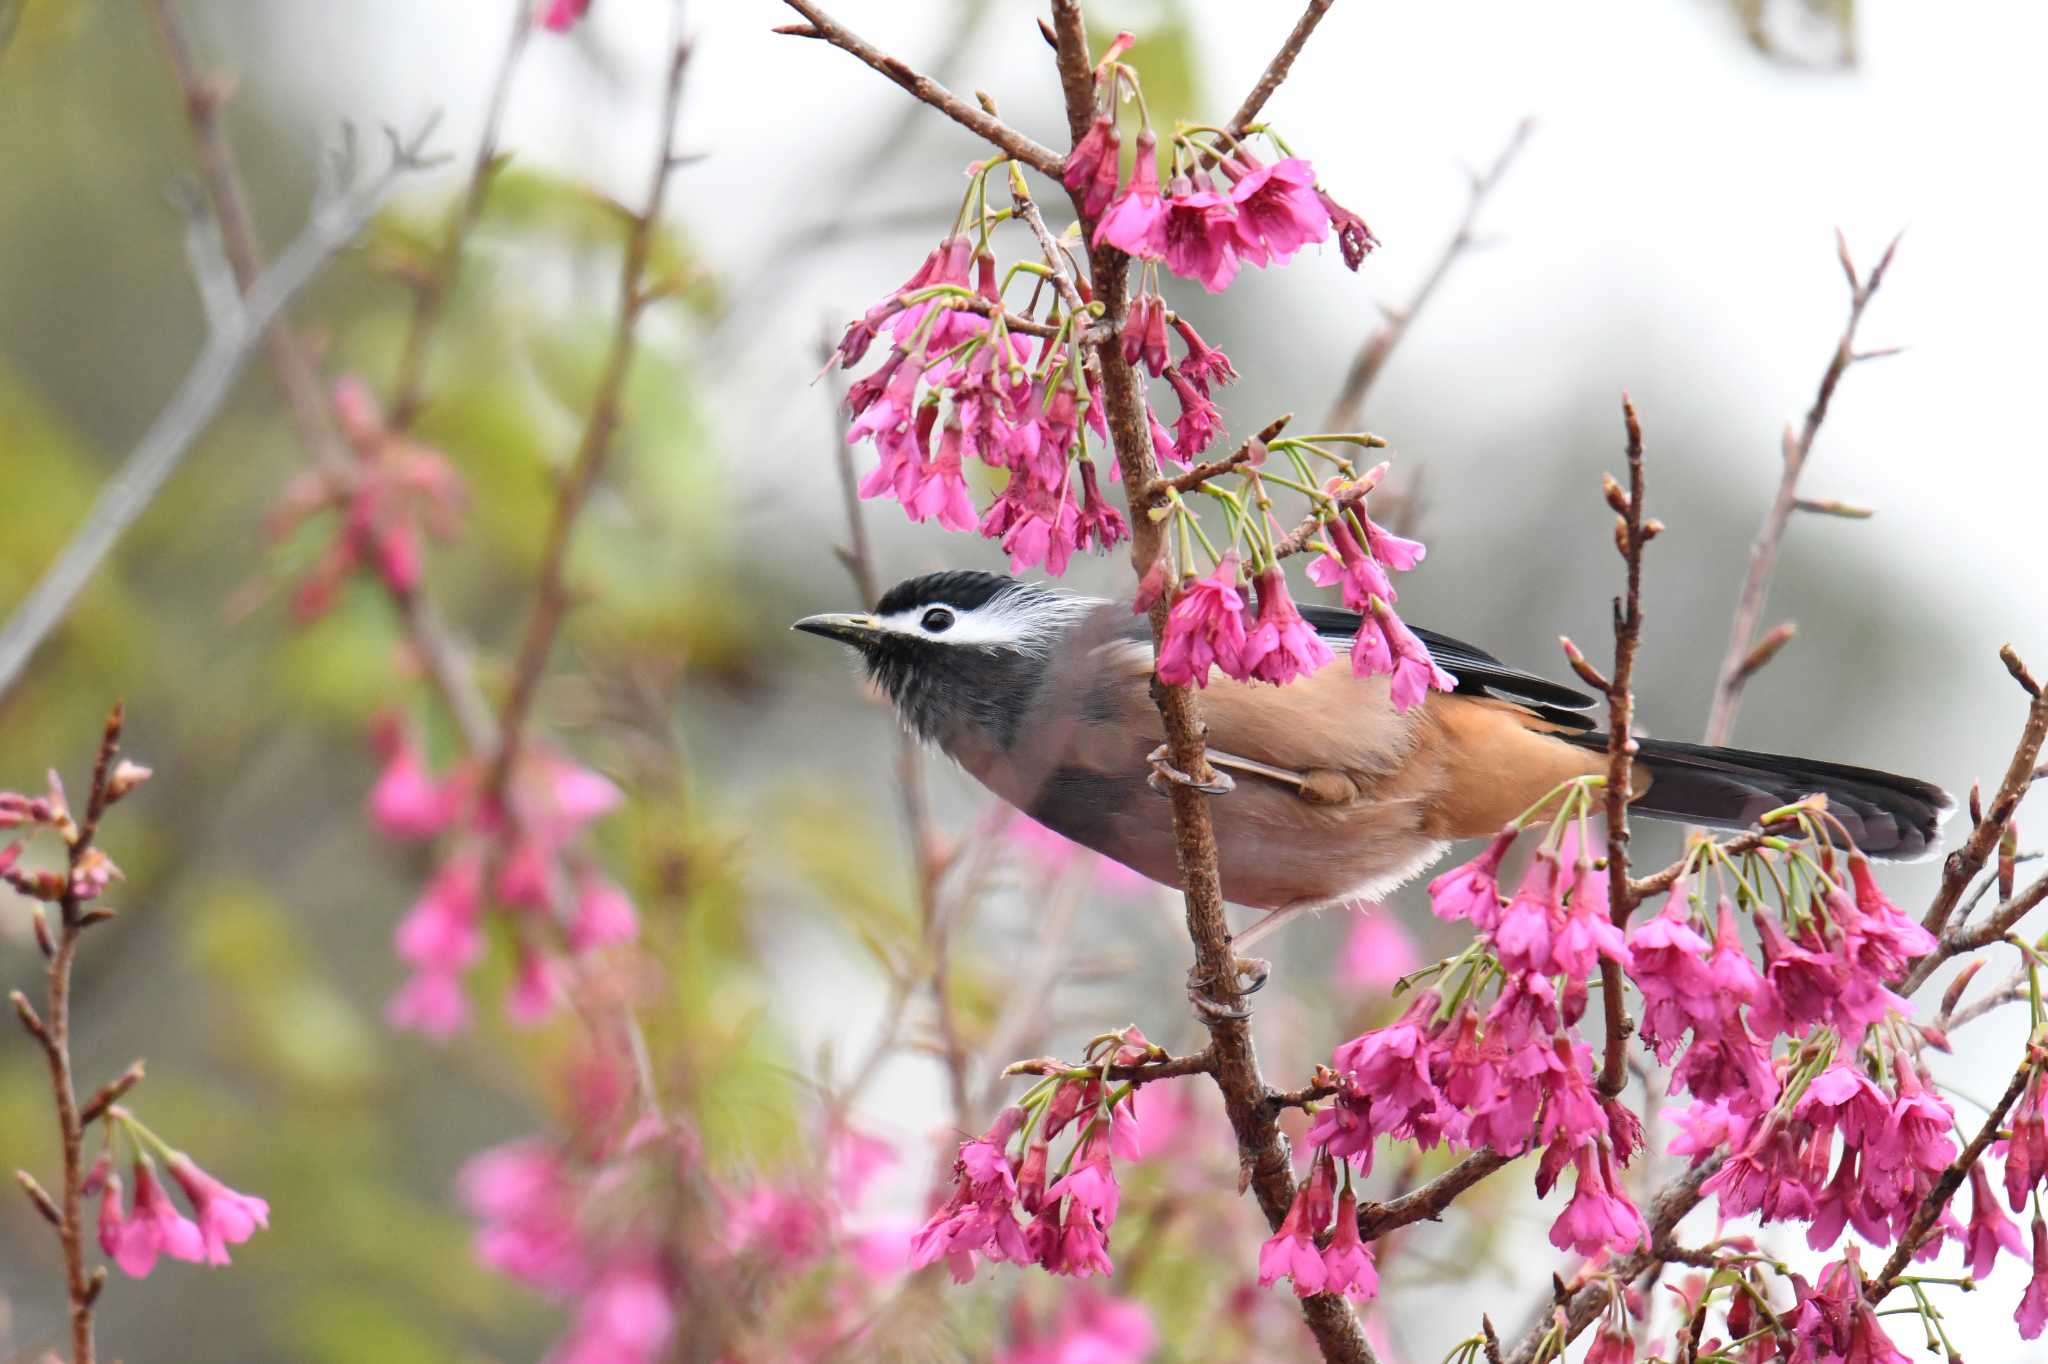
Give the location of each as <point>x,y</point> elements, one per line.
<point>1255,971</point>
<point>1211,1008</point>
<point>1163,772</point>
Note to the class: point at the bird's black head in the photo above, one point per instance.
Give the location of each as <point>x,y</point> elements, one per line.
<point>961,653</point>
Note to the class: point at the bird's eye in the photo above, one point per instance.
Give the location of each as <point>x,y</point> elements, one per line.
<point>938,620</point>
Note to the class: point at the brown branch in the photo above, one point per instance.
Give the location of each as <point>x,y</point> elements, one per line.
<point>1428,1202</point>
<point>1763,555</point>
<point>551,592</point>
<point>442,658</point>
<point>1189,479</point>
<point>1946,1186</point>
<point>1632,533</point>
<point>1297,540</point>
<point>1347,412</point>
<point>1263,1154</point>
<point>1141,1073</point>
<point>1961,866</point>
<point>1007,139</point>
<point>1276,70</point>
<point>53,1031</point>
<point>431,299</point>
<point>2002,920</point>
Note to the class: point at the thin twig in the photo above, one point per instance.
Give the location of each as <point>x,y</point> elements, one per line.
<point>1428,1202</point>
<point>1009,140</point>
<point>431,298</point>
<point>1763,555</point>
<point>551,592</point>
<point>1253,450</point>
<point>442,658</point>
<point>53,1032</point>
<point>1276,72</point>
<point>915,805</point>
<point>1347,412</point>
<point>1632,533</point>
<point>333,224</point>
<point>1962,865</point>
<point>1139,1073</point>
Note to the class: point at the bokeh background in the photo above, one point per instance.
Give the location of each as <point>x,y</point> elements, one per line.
<point>1667,231</point>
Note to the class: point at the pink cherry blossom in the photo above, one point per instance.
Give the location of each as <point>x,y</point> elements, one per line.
<point>1278,211</point>
<point>1196,428</point>
<point>1378,950</point>
<point>1091,168</point>
<point>1599,1216</point>
<point>1203,364</point>
<point>442,931</point>
<point>1385,644</point>
<point>1990,1230</point>
<point>1204,629</point>
<point>1291,1251</point>
<point>939,490</point>
<point>1099,523</point>
<point>604,914</point>
<point>226,1218</point>
<point>626,1315</point>
<point>1354,238</point>
<point>1136,221</point>
<point>2026,1153</point>
<point>522,1194</point>
<point>536,987</point>
<point>113,1224</point>
<point>431,1003</point>
<point>1347,1262</point>
<point>1280,646</point>
<point>1668,963</point>
<point>1348,565</point>
<point>2033,1309</point>
<point>154,1226</point>
<point>1200,235</point>
<point>1470,891</point>
<point>407,800</point>
<point>559,16</point>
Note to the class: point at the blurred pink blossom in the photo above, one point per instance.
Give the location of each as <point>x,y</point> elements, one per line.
<point>1378,951</point>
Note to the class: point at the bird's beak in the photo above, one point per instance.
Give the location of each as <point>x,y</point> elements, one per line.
<point>847,629</point>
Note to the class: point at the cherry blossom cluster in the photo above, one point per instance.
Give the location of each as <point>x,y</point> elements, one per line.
<point>134,1234</point>
<point>967,377</point>
<point>150,1225</point>
<point>1016,1206</point>
<point>1764,984</point>
<point>1317,1246</point>
<point>398,491</point>
<point>577,1227</point>
<point>523,853</point>
<point>622,1219</point>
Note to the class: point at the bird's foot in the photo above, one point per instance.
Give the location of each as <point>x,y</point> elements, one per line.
<point>1250,973</point>
<point>1254,972</point>
<point>1163,772</point>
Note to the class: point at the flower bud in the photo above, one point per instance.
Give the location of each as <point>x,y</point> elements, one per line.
<point>125,778</point>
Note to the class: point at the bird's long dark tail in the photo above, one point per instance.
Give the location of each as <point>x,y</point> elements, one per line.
<point>1897,818</point>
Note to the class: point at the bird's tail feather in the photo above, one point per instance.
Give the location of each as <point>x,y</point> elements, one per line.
<point>1893,817</point>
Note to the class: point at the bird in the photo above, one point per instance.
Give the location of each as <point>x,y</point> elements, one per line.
<point>1333,796</point>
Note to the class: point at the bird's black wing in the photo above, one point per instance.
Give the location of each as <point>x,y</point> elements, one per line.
<point>1478,672</point>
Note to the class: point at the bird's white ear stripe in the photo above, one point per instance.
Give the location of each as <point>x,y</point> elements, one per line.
<point>1028,621</point>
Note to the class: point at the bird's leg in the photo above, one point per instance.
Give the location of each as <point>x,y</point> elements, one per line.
<point>1272,920</point>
